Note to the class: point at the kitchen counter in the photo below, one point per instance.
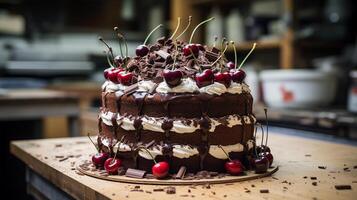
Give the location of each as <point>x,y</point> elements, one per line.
<point>309,168</point>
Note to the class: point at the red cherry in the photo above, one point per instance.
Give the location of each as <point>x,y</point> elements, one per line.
<point>200,47</point>
<point>224,78</point>
<point>160,169</point>
<point>262,148</point>
<point>118,60</point>
<point>231,65</point>
<point>99,158</point>
<point>125,78</point>
<point>237,75</point>
<point>112,165</point>
<point>142,50</point>
<point>234,167</point>
<point>106,71</point>
<point>172,77</point>
<point>112,74</point>
<point>190,47</point>
<point>205,78</point>
<point>269,156</point>
<point>261,165</point>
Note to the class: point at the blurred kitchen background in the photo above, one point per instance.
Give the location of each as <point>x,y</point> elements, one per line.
<point>304,68</point>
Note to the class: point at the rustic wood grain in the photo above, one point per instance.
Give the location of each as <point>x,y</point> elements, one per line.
<point>298,160</point>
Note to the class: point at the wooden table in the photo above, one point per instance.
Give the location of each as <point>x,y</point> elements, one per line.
<point>51,162</point>
<point>23,104</point>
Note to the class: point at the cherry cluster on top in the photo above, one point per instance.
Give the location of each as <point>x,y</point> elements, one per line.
<point>171,60</point>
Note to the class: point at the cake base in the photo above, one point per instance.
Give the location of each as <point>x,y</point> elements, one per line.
<point>248,175</point>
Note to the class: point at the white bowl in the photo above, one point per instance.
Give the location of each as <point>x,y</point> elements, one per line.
<point>298,88</point>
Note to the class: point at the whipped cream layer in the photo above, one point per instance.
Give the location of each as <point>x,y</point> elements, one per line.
<point>179,126</point>
<point>187,86</point>
<point>179,151</point>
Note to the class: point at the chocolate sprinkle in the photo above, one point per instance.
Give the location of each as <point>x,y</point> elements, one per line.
<point>343,187</point>
<point>135,173</point>
<point>264,191</point>
<point>181,173</point>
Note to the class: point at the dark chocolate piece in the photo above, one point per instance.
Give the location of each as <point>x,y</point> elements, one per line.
<point>322,167</point>
<point>181,173</point>
<point>163,54</point>
<point>264,191</point>
<point>135,173</point>
<point>343,187</point>
<point>131,89</point>
<point>171,190</point>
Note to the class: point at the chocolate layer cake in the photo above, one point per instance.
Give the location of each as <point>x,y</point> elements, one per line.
<point>190,118</point>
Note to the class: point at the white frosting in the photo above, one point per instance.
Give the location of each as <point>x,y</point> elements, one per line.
<point>187,85</point>
<point>122,147</point>
<point>179,127</point>
<point>217,152</point>
<point>145,86</point>
<point>109,86</point>
<point>184,151</point>
<point>154,124</point>
<point>215,88</point>
<point>181,151</point>
<point>157,150</point>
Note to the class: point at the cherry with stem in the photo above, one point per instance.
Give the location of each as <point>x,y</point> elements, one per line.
<point>233,167</point>
<point>246,57</point>
<point>142,50</point>
<point>159,169</point>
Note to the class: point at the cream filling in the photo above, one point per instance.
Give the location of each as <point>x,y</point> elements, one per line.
<point>145,86</point>
<point>184,151</point>
<point>187,85</point>
<point>109,86</point>
<point>181,151</point>
<point>215,88</point>
<point>217,152</point>
<point>154,124</point>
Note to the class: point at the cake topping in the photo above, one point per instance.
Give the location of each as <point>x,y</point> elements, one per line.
<point>172,61</point>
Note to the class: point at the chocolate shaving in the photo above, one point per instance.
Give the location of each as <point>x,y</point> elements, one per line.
<point>322,167</point>
<point>152,90</point>
<point>211,56</point>
<point>163,54</point>
<point>181,173</point>
<point>131,89</point>
<point>148,145</point>
<point>135,173</point>
<point>264,191</point>
<point>343,187</point>
<point>171,190</point>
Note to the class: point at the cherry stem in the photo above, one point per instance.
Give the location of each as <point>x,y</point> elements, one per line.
<point>241,64</point>
<point>188,25</point>
<point>223,42</point>
<point>215,41</point>
<point>149,154</point>
<point>93,143</point>
<point>121,37</point>
<point>235,54</point>
<point>262,129</point>
<point>267,130</point>
<point>177,27</point>
<point>222,54</point>
<point>225,152</point>
<point>153,30</point>
<point>108,59</point>
<point>255,140</point>
<point>173,65</point>
<point>115,155</point>
<point>194,30</point>
<point>110,49</point>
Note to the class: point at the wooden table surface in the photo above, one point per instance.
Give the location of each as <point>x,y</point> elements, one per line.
<point>298,159</point>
